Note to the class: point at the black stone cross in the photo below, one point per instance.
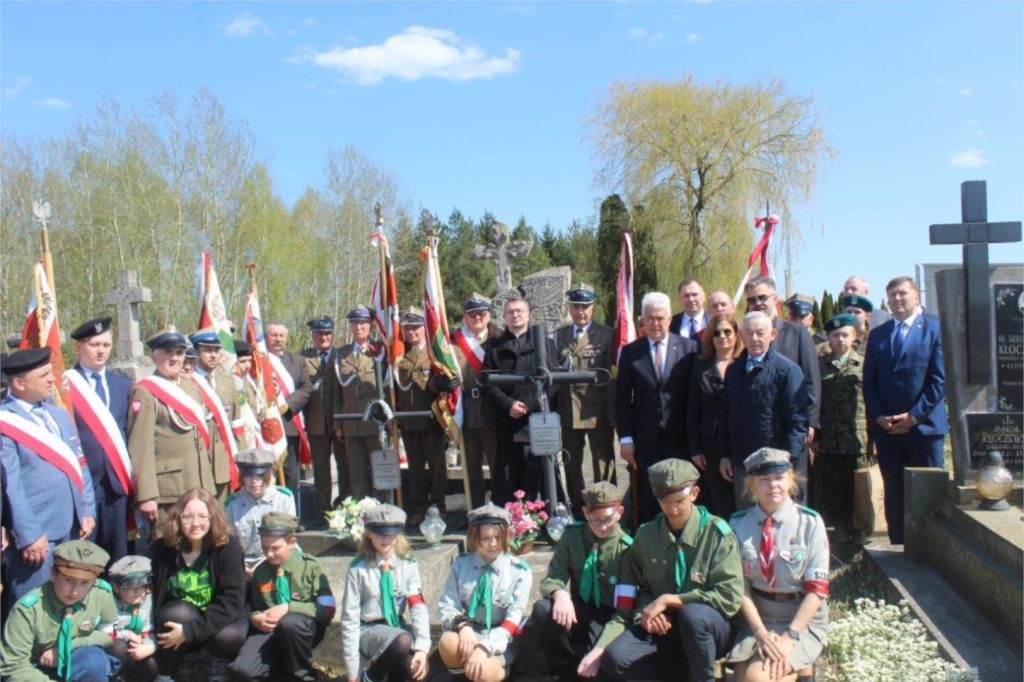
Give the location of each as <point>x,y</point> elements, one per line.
<point>976,233</point>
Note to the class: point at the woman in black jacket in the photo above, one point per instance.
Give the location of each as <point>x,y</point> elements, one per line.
<point>707,379</point>
<point>198,584</point>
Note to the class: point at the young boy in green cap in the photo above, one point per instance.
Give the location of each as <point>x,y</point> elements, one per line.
<point>132,633</point>
<point>57,630</point>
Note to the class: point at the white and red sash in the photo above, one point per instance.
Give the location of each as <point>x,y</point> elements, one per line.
<point>224,427</point>
<point>48,446</point>
<point>171,395</point>
<point>471,348</point>
<point>287,387</point>
<point>101,424</point>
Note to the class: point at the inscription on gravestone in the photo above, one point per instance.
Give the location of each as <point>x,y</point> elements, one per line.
<point>1002,432</point>
<point>1009,328</point>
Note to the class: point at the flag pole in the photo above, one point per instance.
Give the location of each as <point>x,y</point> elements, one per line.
<point>383,293</point>
<point>260,384</point>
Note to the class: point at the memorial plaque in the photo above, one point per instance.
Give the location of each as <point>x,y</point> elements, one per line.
<point>545,433</point>
<point>1009,328</point>
<point>387,475</point>
<point>997,432</point>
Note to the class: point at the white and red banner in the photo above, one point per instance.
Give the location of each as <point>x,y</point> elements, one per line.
<point>212,312</point>
<point>471,349</point>
<point>48,446</point>
<point>224,427</point>
<point>180,402</point>
<point>760,253</point>
<point>41,331</point>
<point>102,426</point>
<point>287,387</point>
<point>271,424</point>
<point>439,347</point>
<point>384,298</point>
<point>625,326</point>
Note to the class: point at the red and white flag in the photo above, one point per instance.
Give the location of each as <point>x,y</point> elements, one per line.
<point>384,298</point>
<point>625,327</point>
<point>439,347</point>
<point>271,424</point>
<point>212,312</point>
<point>287,387</point>
<point>41,331</point>
<point>759,256</point>
<point>625,597</point>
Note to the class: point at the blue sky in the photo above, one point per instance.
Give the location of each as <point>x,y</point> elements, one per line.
<point>481,106</point>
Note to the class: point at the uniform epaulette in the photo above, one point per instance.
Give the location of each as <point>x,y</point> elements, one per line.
<point>285,490</point>
<point>519,563</point>
<point>355,561</point>
<point>30,599</point>
<point>723,526</point>
<point>807,510</point>
<point>738,514</point>
<point>104,585</point>
<point>627,540</point>
<point>230,499</point>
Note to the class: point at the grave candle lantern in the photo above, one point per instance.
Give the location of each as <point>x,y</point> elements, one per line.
<point>994,482</point>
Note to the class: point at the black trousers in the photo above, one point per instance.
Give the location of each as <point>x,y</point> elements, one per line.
<point>112,511</point>
<point>132,670</point>
<point>224,644</point>
<point>286,652</point>
<point>564,648</point>
<point>700,635</point>
<point>645,457</point>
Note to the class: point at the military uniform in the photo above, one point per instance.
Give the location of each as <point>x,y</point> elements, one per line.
<point>355,369</point>
<point>36,621</point>
<point>223,384</point>
<point>701,565</point>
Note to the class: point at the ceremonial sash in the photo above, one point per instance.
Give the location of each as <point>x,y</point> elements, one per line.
<point>101,424</point>
<point>180,402</point>
<point>287,386</point>
<point>48,446</point>
<point>224,427</point>
<point>471,348</point>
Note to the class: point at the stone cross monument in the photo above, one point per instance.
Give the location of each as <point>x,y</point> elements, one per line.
<point>127,295</point>
<point>502,251</point>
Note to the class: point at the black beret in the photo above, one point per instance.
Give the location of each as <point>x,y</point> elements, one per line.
<point>243,349</point>
<point>26,360</point>
<point>92,328</point>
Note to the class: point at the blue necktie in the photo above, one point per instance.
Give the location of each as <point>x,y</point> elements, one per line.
<point>42,415</point>
<point>693,329</point>
<point>752,363</point>
<point>897,340</point>
<point>100,391</point>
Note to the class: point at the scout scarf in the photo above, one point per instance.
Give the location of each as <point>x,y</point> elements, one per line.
<point>702,520</point>
<point>135,624</point>
<point>471,348</point>
<point>387,596</point>
<point>179,402</point>
<point>282,594</point>
<point>482,595</point>
<point>767,554</point>
<point>46,445</point>
<point>589,585</point>
<point>224,427</point>
<point>101,424</point>
<point>64,643</point>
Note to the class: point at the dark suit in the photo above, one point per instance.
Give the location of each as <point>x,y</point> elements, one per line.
<point>295,365</point>
<point>675,327</point>
<point>653,412</point>
<point>111,497</point>
<point>914,382</point>
<point>324,402</point>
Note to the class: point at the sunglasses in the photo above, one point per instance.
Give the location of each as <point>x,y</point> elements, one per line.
<point>760,298</point>
<point>722,332</point>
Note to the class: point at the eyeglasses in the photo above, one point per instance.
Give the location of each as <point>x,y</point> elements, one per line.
<point>760,298</point>
<point>722,332</point>
<point>478,313</point>
<point>515,311</point>
<point>201,518</point>
<point>602,522</point>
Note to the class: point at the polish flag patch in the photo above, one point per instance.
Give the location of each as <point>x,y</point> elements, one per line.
<point>136,406</point>
<point>625,597</point>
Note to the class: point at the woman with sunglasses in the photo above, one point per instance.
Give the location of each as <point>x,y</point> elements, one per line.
<point>707,381</point>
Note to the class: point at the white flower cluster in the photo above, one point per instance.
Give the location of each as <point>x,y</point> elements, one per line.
<point>880,642</point>
<point>346,520</point>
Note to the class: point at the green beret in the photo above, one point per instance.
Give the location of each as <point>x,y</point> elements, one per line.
<point>80,559</point>
<point>278,523</point>
<point>670,476</point>
<point>843,320</point>
<point>385,519</point>
<point>601,494</point>
<point>857,301</point>
<point>767,461</point>
<point>490,513</point>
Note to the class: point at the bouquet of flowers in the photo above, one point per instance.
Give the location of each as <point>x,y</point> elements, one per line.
<point>526,519</point>
<point>346,520</point>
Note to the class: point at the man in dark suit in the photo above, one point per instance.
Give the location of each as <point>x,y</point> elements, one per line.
<point>93,341</point>
<point>650,396</point>
<point>905,394</point>
<point>690,323</point>
<point>302,388</point>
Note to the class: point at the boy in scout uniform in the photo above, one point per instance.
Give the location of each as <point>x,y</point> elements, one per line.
<point>358,389</point>
<point>292,604</point>
<point>208,368</point>
<point>686,566</point>
<point>577,596</point>
<point>56,631</point>
<point>132,633</point>
<point>257,496</point>
<point>586,409</point>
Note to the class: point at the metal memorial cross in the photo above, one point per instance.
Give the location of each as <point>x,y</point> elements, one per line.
<point>976,233</point>
<point>501,251</point>
<point>127,296</point>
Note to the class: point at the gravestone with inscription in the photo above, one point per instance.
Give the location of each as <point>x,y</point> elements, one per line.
<point>129,357</point>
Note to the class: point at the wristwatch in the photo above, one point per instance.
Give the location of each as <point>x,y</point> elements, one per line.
<point>793,634</point>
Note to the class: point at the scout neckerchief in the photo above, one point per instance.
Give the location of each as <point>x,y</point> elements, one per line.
<point>702,520</point>
<point>589,585</point>
<point>482,595</point>
<point>64,642</point>
<point>387,595</point>
<point>135,623</point>
<point>282,594</point>
<point>767,554</point>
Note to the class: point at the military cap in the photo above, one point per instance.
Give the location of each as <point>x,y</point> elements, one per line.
<point>278,523</point>
<point>600,495</point>
<point>190,350</point>
<point>767,461</point>
<point>324,323</point>
<point>857,301</point>
<point>359,314</point>
<point>384,519</point>
<point>490,513</point>
<point>476,302</point>
<point>243,349</point>
<point>80,559</point>
<point>26,360</point>
<point>412,317</point>
<point>255,461</point>
<point>669,476</point>
<point>131,571</point>
<point>581,294</point>
<point>800,304</point>
<point>92,328</point>
<point>841,320</point>
<point>205,337</point>
<point>168,339</point>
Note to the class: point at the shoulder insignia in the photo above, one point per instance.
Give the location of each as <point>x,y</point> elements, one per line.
<point>807,510</point>
<point>519,563</point>
<point>230,499</point>
<point>355,561</point>
<point>30,599</point>
<point>104,585</point>
<point>627,541</point>
<point>738,514</point>
<point>723,526</point>
<point>285,490</point>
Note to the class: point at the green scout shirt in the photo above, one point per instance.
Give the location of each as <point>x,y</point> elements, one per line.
<point>34,622</point>
<point>714,574</point>
<point>310,592</point>
<point>191,584</point>
<point>843,419</point>
<point>571,553</point>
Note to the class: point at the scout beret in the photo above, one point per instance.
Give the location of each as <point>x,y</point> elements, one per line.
<point>601,494</point>
<point>384,519</point>
<point>800,304</point>
<point>278,523</point>
<point>490,513</point>
<point>205,337</point>
<point>255,461</point>
<point>412,317</point>
<point>25,360</point>
<point>167,339</point>
<point>476,302</point>
<point>243,349</point>
<point>359,313</point>
<point>767,461</point>
<point>92,328</point>
<point>857,301</point>
<point>131,571</point>
<point>581,294</point>
<point>670,476</point>
<point>841,320</point>
<point>324,323</point>
<point>80,559</point>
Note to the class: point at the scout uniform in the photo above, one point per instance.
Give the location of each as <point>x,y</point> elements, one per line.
<point>355,369</point>
<point>134,621</point>
<point>701,565</point>
<point>377,592</point>
<point>586,409</point>
<point>423,437</point>
<point>324,401</point>
<point>781,566</point>
<point>246,512</point>
<point>168,455</point>
<point>842,440</point>
<point>223,385</point>
<point>592,567</point>
<point>299,582</point>
<point>490,598</point>
<point>40,622</point>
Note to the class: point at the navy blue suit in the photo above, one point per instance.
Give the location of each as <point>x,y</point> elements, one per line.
<point>111,497</point>
<point>914,383</point>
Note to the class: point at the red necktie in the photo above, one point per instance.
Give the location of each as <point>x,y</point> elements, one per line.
<point>768,552</point>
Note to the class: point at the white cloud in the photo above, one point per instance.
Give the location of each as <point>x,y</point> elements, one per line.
<point>518,8</point>
<point>244,25</point>
<point>309,21</point>
<point>20,83</point>
<point>414,53</point>
<point>638,33</point>
<point>53,103</point>
<point>964,91</point>
<point>693,37</point>
<point>969,158</point>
